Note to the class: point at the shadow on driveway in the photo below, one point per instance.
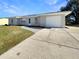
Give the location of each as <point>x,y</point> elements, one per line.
<point>33,29</point>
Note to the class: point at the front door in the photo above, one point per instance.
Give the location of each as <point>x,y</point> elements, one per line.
<point>29,22</point>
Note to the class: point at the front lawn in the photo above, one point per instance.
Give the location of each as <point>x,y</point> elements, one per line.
<point>11,36</point>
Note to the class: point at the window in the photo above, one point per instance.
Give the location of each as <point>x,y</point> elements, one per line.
<point>36,20</point>
<point>29,20</point>
<point>11,20</point>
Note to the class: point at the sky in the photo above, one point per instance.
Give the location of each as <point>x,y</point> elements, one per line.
<point>10,8</point>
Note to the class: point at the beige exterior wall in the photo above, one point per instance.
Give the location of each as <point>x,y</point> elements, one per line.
<point>33,21</point>
<point>24,21</point>
<point>63,19</point>
<point>3,21</point>
<point>44,21</point>
<point>13,21</point>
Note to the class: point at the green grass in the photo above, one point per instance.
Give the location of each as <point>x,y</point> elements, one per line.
<point>11,36</point>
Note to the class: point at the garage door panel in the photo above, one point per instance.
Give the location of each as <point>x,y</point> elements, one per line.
<point>53,21</point>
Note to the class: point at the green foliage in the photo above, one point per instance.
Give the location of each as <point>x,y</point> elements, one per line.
<point>72,5</point>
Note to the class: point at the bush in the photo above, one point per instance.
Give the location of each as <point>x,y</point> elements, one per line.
<point>6,24</point>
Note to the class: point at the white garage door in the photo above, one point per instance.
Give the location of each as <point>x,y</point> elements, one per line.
<point>54,21</point>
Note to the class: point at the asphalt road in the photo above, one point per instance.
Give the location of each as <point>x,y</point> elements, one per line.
<point>55,43</point>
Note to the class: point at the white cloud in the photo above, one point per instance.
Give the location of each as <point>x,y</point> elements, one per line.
<point>15,10</point>
<point>51,2</point>
<point>11,9</point>
<point>57,7</point>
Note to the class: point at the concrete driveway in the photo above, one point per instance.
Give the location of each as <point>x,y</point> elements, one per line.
<point>55,43</point>
<point>33,29</point>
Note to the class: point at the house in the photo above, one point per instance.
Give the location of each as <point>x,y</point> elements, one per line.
<point>4,21</point>
<point>56,19</point>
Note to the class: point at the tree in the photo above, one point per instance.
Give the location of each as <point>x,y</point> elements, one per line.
<point>72,5</point>
<point>63,9</point>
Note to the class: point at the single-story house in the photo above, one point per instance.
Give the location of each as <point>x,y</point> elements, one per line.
<point>4,21</point>
<point>45,19</point>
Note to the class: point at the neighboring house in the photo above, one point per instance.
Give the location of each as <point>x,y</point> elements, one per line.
<point>4,21</point>
<point>43,20</point>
